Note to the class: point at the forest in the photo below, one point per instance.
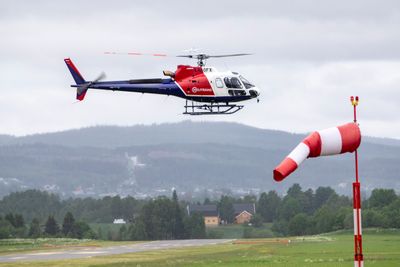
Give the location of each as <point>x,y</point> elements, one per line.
<point>35,213</point>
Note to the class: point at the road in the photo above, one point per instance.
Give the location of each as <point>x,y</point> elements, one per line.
<point>75,253</point>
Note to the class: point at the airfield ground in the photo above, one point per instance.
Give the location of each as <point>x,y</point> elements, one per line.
<point>381,248</point>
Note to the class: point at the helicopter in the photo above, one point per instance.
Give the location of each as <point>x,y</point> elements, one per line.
<point>206,90</point>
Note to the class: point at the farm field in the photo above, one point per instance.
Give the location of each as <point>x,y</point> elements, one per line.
<point>381,248</point>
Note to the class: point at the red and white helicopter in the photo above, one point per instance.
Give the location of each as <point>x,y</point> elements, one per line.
<point>207,91</point>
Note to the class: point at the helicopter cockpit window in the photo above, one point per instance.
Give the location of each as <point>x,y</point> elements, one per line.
<point>232,82</point>
<point>246,83</point>
<point>219,83</point>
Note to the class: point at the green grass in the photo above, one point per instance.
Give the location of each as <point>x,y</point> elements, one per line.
<point>225,231</point>
<point>381,248</point>
<point>8,246</point>
<point>230,231</point>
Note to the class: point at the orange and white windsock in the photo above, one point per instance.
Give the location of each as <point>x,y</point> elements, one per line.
<point>332,141</point>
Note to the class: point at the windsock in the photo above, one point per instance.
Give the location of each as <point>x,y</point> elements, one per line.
<point>332,141</point>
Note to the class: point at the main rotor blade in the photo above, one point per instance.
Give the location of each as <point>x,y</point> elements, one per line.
<point>136,54</point>
<point>205,56</point>
<point>188,56</point>
<point>201,57</point>
<point>230,55</point>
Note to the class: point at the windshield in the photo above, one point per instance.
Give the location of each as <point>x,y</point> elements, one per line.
<point>232,82</point>
<point>246,83</point>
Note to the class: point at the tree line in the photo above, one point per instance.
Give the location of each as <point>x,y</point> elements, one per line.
<point>323,210</point>
<point>13,226</point>
<point>164,218</point>
<point>160,218</point>
<point>34,213</point>
<point>40,204</point>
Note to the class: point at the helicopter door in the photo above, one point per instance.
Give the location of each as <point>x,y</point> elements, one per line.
<point>219,84</point>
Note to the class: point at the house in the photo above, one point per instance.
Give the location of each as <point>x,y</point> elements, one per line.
<point>209,212</point>
<point>244,212</point>
<point>119,221</point>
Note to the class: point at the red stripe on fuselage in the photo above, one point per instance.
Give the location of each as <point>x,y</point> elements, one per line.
<point>193,81</point>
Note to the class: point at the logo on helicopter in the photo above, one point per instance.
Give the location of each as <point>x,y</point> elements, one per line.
<point>195,90</point>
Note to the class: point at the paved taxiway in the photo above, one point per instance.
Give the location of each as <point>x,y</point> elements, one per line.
<point>85,252</point>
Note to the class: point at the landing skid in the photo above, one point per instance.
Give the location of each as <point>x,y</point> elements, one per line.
<point>195,108</point>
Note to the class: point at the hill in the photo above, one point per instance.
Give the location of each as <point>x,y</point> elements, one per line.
<point>201,159</point>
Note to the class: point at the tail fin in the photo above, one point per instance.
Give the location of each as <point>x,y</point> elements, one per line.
<point>79,80</point>
<point>74,71</point>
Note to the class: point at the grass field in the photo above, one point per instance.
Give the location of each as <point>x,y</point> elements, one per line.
<point>239,231</point>
<point>109,231</point>
<point>381,248</point>
<point>8,246</point>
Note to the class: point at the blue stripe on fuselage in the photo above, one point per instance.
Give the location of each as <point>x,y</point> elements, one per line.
<point>166,87</point>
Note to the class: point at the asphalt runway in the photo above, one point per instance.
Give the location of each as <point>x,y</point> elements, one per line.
<point>61,254</point>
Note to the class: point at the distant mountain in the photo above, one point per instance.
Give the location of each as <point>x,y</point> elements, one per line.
<point>382,141</point>
<point>201,159</point>
<point>6,139</point>
<point>184,133</point>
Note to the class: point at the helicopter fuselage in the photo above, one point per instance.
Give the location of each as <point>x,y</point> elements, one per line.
<point>201,84</point>
<point>193,83</point>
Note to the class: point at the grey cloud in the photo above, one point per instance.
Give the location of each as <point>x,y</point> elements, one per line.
<point>206,9</point>
<point>273,31</point>
<point>309,56</point>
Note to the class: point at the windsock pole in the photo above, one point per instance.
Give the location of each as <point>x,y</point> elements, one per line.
<point>358,255</point>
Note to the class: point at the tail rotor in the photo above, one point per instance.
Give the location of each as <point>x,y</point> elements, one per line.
<point>81,84</point>
<point>82,89</point>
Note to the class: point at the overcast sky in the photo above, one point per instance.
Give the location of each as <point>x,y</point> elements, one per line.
<point>309,57</point>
